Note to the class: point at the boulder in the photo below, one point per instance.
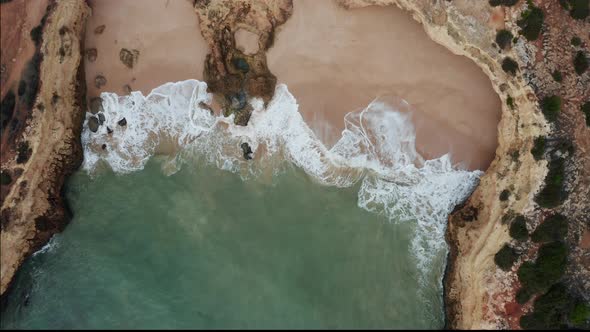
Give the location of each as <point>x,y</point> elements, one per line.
<point>100,81</point>
<point>99,29</point>
<point>246,150</point>
<point>96,105</point>
<point>93,124</point>
<point>122,122</point>
<point>91,54</point>
<point>100,118</point>
<point>128,57</point>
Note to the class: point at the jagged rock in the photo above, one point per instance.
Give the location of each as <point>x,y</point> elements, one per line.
<point>122,122</point>
<point>100,81</point>
<point>96,105</point>
<point>247,151</point>
<point>93,124</point>
<point>230,68</point>
<point>109,130</point>
<point>99,29</point>
<point>91,54</point>
<point>238,101</point>
<point>205,106</point>
<point>128,57</point>
<point>101,118</point>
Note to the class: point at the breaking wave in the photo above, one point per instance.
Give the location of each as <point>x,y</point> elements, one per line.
<point>377,150</point>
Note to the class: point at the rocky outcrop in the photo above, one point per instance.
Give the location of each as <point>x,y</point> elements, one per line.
<point>231,74</point>
<point>33,208</point>
<point>477,293</point>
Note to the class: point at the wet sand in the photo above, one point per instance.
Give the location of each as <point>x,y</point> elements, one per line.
<point>336,61</point>
<point>166,33</point>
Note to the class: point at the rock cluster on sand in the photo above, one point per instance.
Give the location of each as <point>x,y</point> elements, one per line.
<point>99,29</point>
<point>100,81</point>
<point>96,105</point>
<point>128,57</point>
<point>91,54</point>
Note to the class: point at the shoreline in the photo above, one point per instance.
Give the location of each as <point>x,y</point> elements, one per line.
<point>333,68</point>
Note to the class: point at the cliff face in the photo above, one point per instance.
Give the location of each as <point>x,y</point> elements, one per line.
<point>477,293</point>
<point>48,149</point>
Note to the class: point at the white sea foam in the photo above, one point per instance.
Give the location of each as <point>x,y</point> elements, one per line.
<point>377,148</point>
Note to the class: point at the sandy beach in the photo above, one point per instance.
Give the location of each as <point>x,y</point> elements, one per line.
<point>336,61</point>
<point>165,33</point>
<point>333,60</point>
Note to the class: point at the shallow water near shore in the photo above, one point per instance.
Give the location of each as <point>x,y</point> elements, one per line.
<point>203,248</point>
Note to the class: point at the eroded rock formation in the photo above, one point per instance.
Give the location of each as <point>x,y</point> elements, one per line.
<point>230,73</point>
<point>48,148</point>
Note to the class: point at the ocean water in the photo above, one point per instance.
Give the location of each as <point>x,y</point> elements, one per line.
<point>302,236</point>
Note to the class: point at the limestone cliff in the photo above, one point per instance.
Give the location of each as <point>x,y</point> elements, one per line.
<point>48,148</point>
<point>477,293</point>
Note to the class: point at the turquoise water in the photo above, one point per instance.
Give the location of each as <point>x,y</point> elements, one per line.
<point>204,249</point>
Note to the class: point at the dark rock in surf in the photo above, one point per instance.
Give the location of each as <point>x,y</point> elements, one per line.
<point>122,122</point>
<point>93,124</point>
<point>246,150</point>
<point>96,105</point>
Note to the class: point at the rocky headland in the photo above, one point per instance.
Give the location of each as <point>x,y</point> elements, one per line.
<point>41,135</point>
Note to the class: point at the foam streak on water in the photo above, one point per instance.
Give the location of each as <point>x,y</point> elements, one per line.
<point>377,149</point>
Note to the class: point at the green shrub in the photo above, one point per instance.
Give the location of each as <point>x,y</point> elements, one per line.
<point>557,76</point>
<point>5,178</point>
<point>30,77</point>
<point>551,106</point>
<point>506,257</point>
<point>580,63</point>
<point>7,108</point>
<point>22,88</point>
<point>586,110</point>
<point>565,4</point>
<point>37,35</point>
<point>510,102</point>
<point>576,41</point>
<point>507,3</point>
<point>553,194</point>
<point>579,9</point>
<point>504,195</point>
<point>509,66</point>
<point>504,38</point>
<point>518,229</point>
<point>580,314</point>
<point>549,310</point>
<point>546,270</point>
<point>538,148</point>
<point>554,228</point>
<point>531,22</point>
<point>523,295</point>
<point>23,152</point>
